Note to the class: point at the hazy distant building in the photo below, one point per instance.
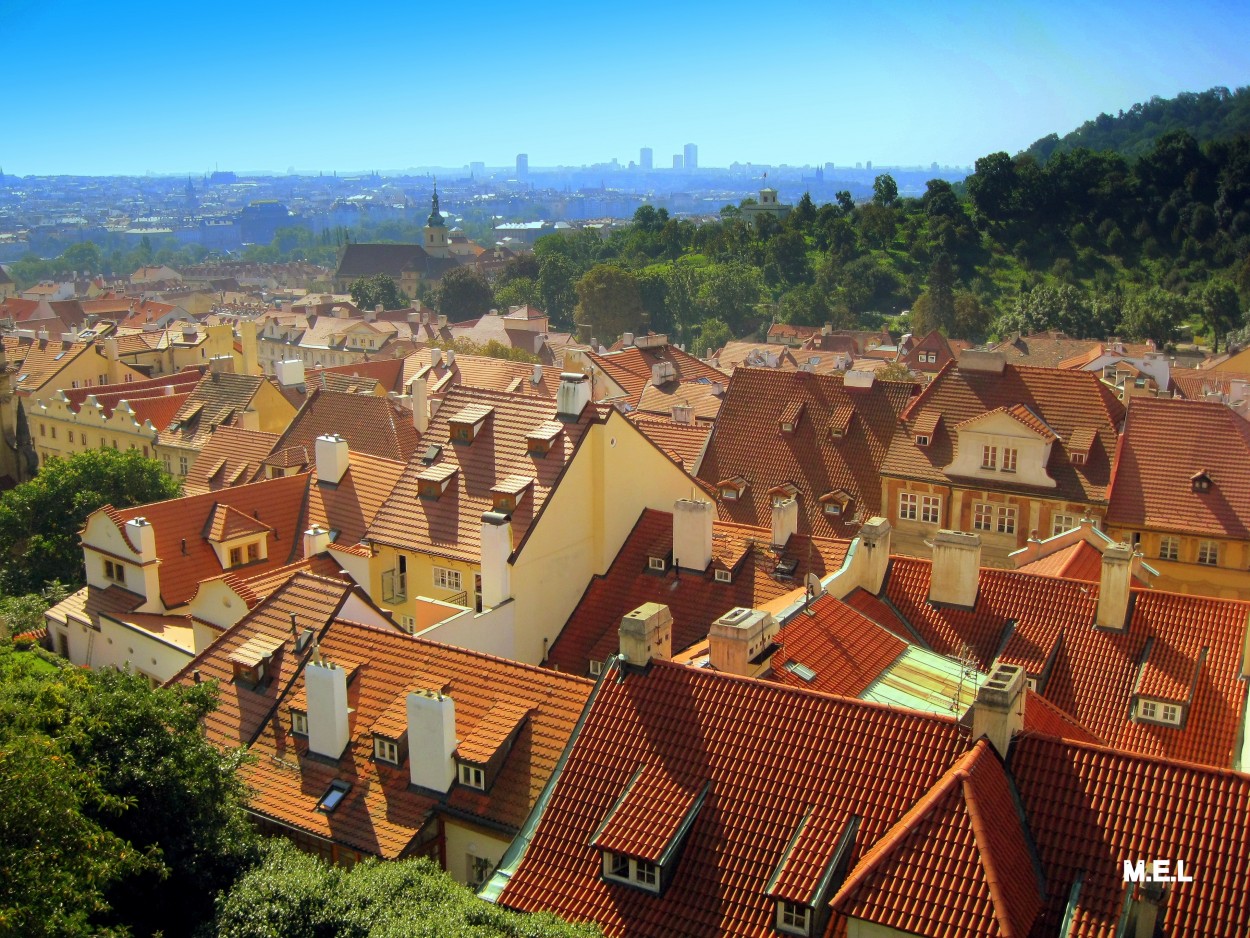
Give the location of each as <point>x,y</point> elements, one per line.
<point>677,161</point>
<point>645,157</point>
<point>767,205</point>
<point>692,156</point>
<point>868,165</point>
<point>477,170</point>
<point>522,166</point>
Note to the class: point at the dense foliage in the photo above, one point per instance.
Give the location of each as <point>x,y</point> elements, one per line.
<point>116,813</point>
<point>40,519</point>
<point>294,894</point>
<point>379,290</point>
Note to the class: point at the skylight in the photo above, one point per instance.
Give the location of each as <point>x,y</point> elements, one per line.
<point>334,794</point>
<point>800,670</point>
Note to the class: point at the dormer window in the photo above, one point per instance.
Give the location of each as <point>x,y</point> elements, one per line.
<point>433,482</point>
<point>794,919</point>
<point>840,421</point>
<point>731,489</point>
<point>781,494</point>
<point>472,776</point>
<point>833,509</point>
<point>468,423</point>
<point>922,439</point>
<point>790,417</point>
<point>1159,711</point>
<point>1078,459</point>
<point>836,504</point>
<point>299,722</point>
<point>250,658</point>
<point>115,571</point>
<point>989,457</point>
<point>386,750</point>
<point>724,576</point>
<point>507,494</point>
<point>657,564</point>
<point>1200,482</point>
<point>541,438</point>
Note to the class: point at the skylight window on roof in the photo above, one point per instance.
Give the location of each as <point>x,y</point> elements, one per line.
<point>334,796</point>
<point>800,670</point>
<point>785,568</point>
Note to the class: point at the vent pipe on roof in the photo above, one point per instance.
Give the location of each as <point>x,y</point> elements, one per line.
<point>431,740</point>
<point>956,570</point>
<point>646,634</point>
<point>998,711</point>
<point>325,685</point>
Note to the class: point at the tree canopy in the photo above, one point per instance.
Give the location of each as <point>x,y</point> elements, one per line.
<point>40,519</point>
<point>379,290</point>
<point>463,293</point>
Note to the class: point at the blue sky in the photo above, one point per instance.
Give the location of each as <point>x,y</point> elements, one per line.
<point>132,87</point>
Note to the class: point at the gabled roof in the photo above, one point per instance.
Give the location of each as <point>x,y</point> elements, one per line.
<point>703,396</point>
<point>109,395</point>
<point>372,425</point>
<point>231,456</point>
<point>1043,349</point>
<point>349,507</point>
<point>1165,442</point>
<point>763,779</point>
<point>682,441</point>
<point>747,442</point>
<point>1053,401</point>
<point>276,503</point>
<point>451,525</point>
<point>695,600</point>
<point>959,861</point>
<point>219,398</point>
<point>366,260</point>
<point>631,367</point>
<point>1093,809</point>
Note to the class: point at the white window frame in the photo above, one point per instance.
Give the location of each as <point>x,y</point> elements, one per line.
<point>724,576</point>
<point>621,868</point>
<point>908,506</point>
<point>596,668</point>
<point>1170,713</point>
<point>931,509</point>
<point>115,571</point>
<point>385,750</point>
<point>1209,553</point>
<point>299,722</point>
<point>1007,517</point>
<point>982,516</point>
<point>793,919</point>
<point>1170,548</point>
<point>989,456</point>
<point>656,563</point>
<point>1010,457</point>
<point>445,578</point>
<point>408,623</point>
<point>1148,710</point>
<point>472,776</point>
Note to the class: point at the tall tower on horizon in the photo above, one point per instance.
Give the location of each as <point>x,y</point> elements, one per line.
<point>691,153</point>
<point>436,230</point>
<point>522,166</point>
<point>645,157</point>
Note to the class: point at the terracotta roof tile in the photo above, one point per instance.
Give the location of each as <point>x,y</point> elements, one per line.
<point>646,818</point>
<point>747,442</point>
<point>631,367</point>
<point>109,395</point>
<point>1165,443</point>
<point>703,396</point>
<point>682,441</point>
<point>695,600</point>
<point>349,507</point>
<point>372,425</point>
<point>227,451</point>
<point>217,399</point>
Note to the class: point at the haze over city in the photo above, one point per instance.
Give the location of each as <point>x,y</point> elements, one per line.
<point>250,87</point>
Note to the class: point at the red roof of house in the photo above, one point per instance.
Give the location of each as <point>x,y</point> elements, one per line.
<point>682,441</point>
<point>773,760</point>
<point>747,441</point>
<point>1166,442</point>
<point>109,395</point>
<point>696,600</point>
<point>231,456</point>
<point>348,507</point>
<point>631,367</point>
<point>1046,399</point>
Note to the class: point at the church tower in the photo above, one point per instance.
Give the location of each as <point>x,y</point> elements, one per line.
<point>435,231</point>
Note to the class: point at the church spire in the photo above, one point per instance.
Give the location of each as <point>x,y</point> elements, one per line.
<point>436,218</point>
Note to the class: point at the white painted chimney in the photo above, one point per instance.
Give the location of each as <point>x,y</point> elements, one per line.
<point>431,740</point>
<point>451,357</point>
<point>325,685</point>
<point>998,711</point>
<point>496,549</point>
<point>537,377</point>
<point>858,379</point>
<point>873,554</point>
<point>627,339</point>
<point>436,357</point>
<point>143,536</point>
<point>692,534</point>
<point>333,458</point>
<point>573,396</point>
<point>647,633</point>
<point>419,395</point>
<point>785,520</point>
<point>1114,587</point>
<point>956,569</point>
<point>737,639</point>
<point>683,413</point>
<point>289,373</point>
<point>316,540</point>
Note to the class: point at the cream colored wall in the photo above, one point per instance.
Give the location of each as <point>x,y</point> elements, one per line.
<point>276,412</point>
<point>857,928</point>
<point>420,578</point>
<point>1186,575</point>
<point>1004,432</point>
<point>463,839</point>
<point>616,474</point>
<point>118,646</point>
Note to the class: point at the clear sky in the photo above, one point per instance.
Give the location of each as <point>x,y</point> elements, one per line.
<point>130,87</point>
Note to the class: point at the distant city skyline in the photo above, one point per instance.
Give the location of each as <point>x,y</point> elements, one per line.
<point>245,87</point>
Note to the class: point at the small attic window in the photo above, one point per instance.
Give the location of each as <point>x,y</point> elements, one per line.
<point>657,563</point>
<point>800,670</point>
<point>833,509</point>
<point>731,489</point>
<point>539,440</point>
<point>922,439</point>
<point>1200,482</point>
<point>1159,711</point>
<point>724,576</point>
<point>299,722</point>
<point>385,750</point>
<point>790,417</point>
<point>433,482</point>
<point>334,794</point>
<point>793,919</point>
<point>472,776</point>
<point>1078,459</point>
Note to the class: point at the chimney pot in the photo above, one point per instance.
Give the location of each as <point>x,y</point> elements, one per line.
<point>998,711</point>
<point>647,634</point>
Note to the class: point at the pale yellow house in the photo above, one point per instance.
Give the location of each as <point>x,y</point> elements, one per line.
<point>510,507</point>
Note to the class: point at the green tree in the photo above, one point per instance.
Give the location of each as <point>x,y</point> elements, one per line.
<point>993,186</point>
<point>294,894</point>
<point>556,294</point>
<point>40,519</point>
<point>1221,309</point>
<point>785,259</point>
<point>731,293</point>
<point>845,202</point>
<point>884,190</point>
<point>609,302</point>
<point>463,293</point>
<point>84,258</point>
<point>709,336</point>
<point>1155,314</point>
<point>520,291</point>
<point>368,293</point>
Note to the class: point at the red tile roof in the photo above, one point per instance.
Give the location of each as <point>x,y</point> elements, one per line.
<point>1092,809</point>
<point>109,395</point>
<point>702,396</point>
<point>1195,383</point>
<point>695,600</point>
<point>959,861</point>
<point>747,442</point>
<point>769,756</point>
<point>349,507</point>
<point>682,441</point>
<point>450,526</point>
<point>372,425</point>
<point>1078,561</point>
<point>232,456</point>
<point>219,398</point>
<point>1165,443</point>
<point>1062,402</point>
<point>631,367</point>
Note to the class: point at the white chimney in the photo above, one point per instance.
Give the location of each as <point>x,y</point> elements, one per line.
<point>325,685</point>
<point>573,396</point>
<point>737,639</point>
<point>646,634</point>
<point>692,534</point>
<point>143,536</point>
<point>683,413</point>
<point>1114,587</point>
<point>537,377</point>
<point>418,393</point>
<point>785,520</point>
<point>627,339</point>
<point>873,553</point>
<point>333,458</point>
<point>451,357</point>
<point>436,357</point>
<point>289,373</point>
<point>431,740</point>
<point>858,379</point>
<point>442,322</point>
<point>222,364</point>
<point>998,711</point>
<point>496,549</point>
<point>316,540</point>
<point>956,569</point>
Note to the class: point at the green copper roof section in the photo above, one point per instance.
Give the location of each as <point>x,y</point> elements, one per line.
<point>436,217</point>
<point>923,680</point>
